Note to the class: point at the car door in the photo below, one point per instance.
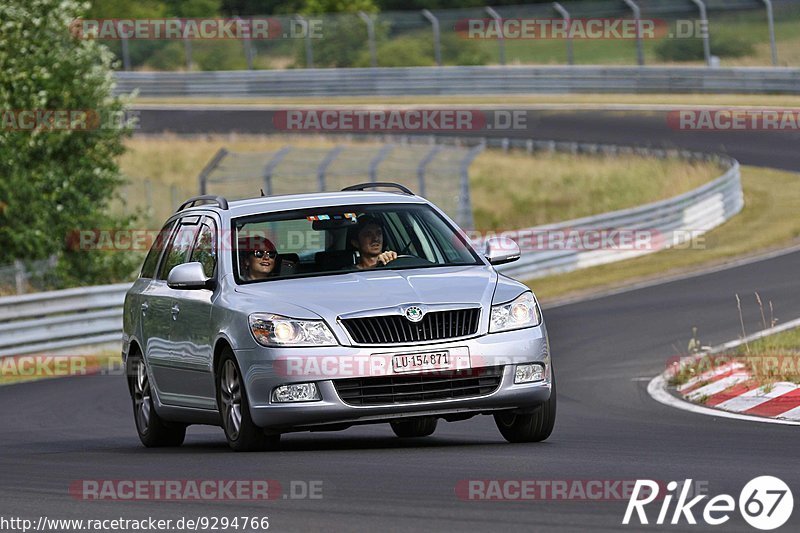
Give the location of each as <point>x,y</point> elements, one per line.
<point>192,338</point>
<point>161,304</point>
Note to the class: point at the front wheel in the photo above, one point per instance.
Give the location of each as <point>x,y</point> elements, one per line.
<point>417,427</point>
<point>240,431</point>
<point>153,431</point>
<point>533,427</point>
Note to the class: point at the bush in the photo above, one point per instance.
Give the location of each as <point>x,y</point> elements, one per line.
<point>56,180</point>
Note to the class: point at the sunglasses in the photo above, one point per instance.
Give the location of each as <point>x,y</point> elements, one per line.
<point>272,254</point>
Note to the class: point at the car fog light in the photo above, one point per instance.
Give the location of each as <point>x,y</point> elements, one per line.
<point>296,392</point>
<point>529,373</point>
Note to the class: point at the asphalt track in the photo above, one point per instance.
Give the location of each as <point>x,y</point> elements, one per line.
<point>53,433</point>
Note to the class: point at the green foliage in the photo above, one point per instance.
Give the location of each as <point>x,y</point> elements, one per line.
<point>416,49</point>
<point>56,180</point>
<point>691,49</point>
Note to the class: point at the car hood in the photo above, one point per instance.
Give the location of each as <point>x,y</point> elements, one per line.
<point>354,292</point>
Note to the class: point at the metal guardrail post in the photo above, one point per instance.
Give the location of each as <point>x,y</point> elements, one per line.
<point>19,276</point>
<point>215,161</point>
<point>382,154</point>
<point>437,41</point>
<point>501,41</point>
<point>464,203</point>
<point>637,16</point>
<point>323,167</point>
<point>307,39</point>
<point>771,25</point>
<point>423,165</point>
<point>567,21</point>
<point>706,30</point>
<point>126,54</point>
<point>269,168</point>
<point>373,50</point>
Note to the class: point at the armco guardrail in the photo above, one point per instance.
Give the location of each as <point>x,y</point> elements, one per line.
<point>46,321</point>
<point>36,323</point>
<point>460,81</point>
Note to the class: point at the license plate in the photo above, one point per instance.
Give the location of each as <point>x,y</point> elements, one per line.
<point>418,362</point>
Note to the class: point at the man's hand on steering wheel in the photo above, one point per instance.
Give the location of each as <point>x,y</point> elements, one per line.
<point>386,257</point>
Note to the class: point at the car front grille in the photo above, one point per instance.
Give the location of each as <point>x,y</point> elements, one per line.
<point>413,388</point>
<point>397,329</point>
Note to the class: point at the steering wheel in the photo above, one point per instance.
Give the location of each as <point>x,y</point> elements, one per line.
<point>406,260</point>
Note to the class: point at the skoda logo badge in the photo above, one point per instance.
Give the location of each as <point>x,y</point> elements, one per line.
<point>414,313</point>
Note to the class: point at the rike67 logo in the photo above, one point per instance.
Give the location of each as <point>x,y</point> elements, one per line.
<point>765,503</point>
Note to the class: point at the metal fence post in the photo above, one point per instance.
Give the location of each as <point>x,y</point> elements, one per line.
<point>373,50</point>
<point>323,167</point>
<point>501,41</point>
<point>423,165</point>
<point>567,21</point>
<point>637,15</point>
<point>771,25</point>
<point>187,48</point>
<point>464,202</point>
<point>126,54</point>
<point>248,47</point>
<point>307,39</point>
<point>706,30</point>
<point>269,168</point>
<point>382,154</point>
<point>19,276</point>
<point>215,161</point>
<point>437,41</point>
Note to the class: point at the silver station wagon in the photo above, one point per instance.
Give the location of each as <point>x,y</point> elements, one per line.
<point>322,311</point>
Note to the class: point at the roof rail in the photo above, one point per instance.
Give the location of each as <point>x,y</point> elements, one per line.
<point>372,184</point>
<point>191,202</point>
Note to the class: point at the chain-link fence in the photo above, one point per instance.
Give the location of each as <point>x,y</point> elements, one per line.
<point>739,32</point>
<point>438,172</point>
<point>22,277</point>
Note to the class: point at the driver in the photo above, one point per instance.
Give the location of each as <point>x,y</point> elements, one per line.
<point>367,238</point>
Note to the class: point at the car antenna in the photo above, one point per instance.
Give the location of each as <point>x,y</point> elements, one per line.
<point>262,193</point>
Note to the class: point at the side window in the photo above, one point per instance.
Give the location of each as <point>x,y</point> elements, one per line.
<point>151,261</point>
<point>178,250</point>
<point>205,249</point>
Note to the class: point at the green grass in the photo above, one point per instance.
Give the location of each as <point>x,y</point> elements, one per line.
<point>768,221</point>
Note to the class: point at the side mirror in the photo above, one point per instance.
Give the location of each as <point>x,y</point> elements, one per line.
<point>501,250</point>
<point>188,276</point>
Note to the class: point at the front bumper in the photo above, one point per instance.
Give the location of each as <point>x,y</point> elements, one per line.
<point>266,368</point>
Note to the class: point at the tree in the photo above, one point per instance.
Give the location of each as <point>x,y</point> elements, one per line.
<point>57,174</point>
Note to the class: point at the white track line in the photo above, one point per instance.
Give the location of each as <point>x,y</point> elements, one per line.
<point>794,414</point>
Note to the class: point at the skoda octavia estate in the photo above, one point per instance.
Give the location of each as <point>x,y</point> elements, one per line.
<point>323,311</point>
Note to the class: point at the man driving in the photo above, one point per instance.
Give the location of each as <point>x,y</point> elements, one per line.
<point>367,238</point>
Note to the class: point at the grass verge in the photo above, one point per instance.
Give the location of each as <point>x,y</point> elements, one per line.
<point>768,221</point>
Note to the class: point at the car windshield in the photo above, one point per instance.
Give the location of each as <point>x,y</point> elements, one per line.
<point>335,240</point>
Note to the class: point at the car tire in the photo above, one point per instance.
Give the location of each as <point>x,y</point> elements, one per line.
<point>534,427</point>
<point>416,427</point>
<point>234,410</point>
<point>153,431</point>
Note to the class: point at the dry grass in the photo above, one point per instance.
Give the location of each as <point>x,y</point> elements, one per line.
<point>768,221</point>
<point>515,190</point>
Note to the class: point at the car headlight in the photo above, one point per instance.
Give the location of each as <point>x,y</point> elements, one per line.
<point>523,312</point>
<point>276,330</point>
